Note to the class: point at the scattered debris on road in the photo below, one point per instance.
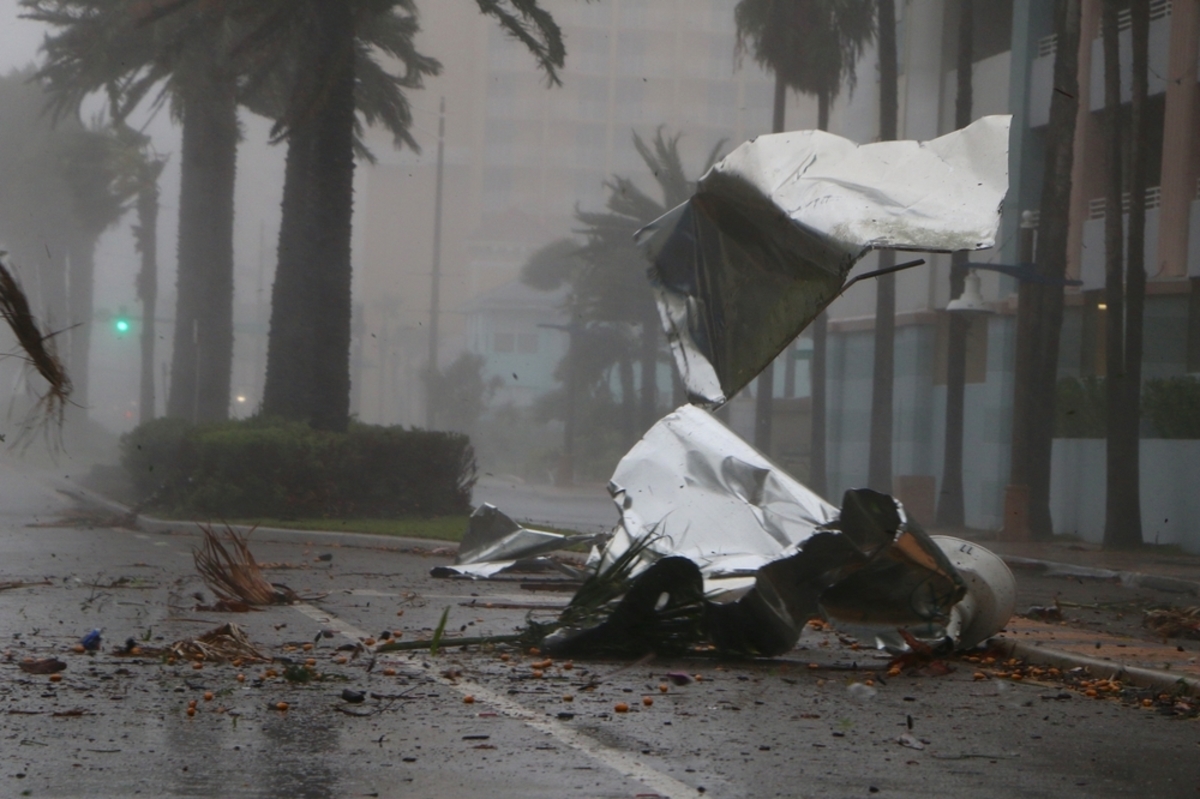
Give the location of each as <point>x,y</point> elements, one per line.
<point>225,643</point>
<point>42,666</point>
<point>1174,622</point>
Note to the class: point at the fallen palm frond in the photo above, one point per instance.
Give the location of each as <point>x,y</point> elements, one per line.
<point>232,573</point>
<point>227,642</point>
<point>39,352</point>
<point>22,584</point>
<point>1174,622</point>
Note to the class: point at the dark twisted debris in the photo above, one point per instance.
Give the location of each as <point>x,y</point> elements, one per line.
<point>716,546</point>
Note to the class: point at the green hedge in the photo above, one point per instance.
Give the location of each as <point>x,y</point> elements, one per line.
<point>1171,406</point>
<point>270,467</point>
<point>1080,409</point>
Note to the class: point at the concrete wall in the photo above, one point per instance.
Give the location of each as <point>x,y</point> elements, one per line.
<point>919,414</point>
<point>1170,471</point>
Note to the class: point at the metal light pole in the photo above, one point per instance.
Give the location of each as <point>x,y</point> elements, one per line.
<point>435,278</point>
<point>566,464</point>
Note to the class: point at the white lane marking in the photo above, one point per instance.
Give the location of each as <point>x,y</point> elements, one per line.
<point>621,762</point>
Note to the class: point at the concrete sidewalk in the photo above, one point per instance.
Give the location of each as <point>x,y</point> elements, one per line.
<point>1165,570</point>
<point>1126,650</point>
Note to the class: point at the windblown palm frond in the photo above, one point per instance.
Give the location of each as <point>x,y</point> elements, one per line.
<point>39,352</point>
<point>812,45</point>
<point>534,27</point>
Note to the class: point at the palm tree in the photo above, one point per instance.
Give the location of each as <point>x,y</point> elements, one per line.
<point>612,287</point>
<point>884,372</point>
<point>1124,279</point>
<point>308,366</point>
<point>202,50</point>
<point>1039,320</point>
<point>138,169</point>
<point>99,200</point>
<point>35,200</point>
<point>950,509</point>
<point>128,49</point>
<point>60,194</point>
<point>812,46</point>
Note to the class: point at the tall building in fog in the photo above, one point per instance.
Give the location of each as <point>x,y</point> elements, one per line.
<point>520,158</point>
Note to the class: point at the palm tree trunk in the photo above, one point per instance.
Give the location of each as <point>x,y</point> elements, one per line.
<point>308,351</point>
<point>203,353</point>
<point>648,411</point>
<point>1038,352</point>
<point>628,398</point>
<point>288,383</point>
<point>817,456</point>
<point>1123,517</point>
<point>146,235</point>
<point>334,202</point>
<point>883,375</point>
<point>951,511</point>
<point>764,400</point>
<point>1114,276</point>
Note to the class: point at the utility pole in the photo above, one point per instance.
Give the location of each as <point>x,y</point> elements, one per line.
<point>435,277</point>
<point>147,290</point>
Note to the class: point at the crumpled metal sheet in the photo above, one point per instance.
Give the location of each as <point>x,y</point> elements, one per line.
<point>708,516</point>
<point>703,493</point>
<point>774,228</point>
<point>493,542</point>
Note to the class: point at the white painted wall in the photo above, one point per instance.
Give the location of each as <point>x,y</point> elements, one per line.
<point>1170,472</point>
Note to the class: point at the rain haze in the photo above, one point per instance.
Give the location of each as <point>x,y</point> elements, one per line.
<point>815,321</point>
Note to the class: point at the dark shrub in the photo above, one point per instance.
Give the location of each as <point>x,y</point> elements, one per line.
<point>1172,405</point>
<point>270,467</point>
<point>150,454</point>
<point>1080,409</point>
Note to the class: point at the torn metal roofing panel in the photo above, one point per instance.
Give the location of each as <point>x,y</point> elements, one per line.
<point>702,492</point>
<point>493,542</point>
<point>774,228</point>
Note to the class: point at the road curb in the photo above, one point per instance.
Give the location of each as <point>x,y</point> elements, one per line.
<point>151,524</point>
<point>1134,675</point>
<point>1052,568</point>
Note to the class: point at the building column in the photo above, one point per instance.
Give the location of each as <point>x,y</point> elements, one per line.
<point>1086,130</point>
<point>1179,164</point>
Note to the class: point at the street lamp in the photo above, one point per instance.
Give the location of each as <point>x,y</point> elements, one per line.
<point>971,299</point>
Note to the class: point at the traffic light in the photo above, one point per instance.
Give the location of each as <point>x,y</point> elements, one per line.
<point>122,323</point>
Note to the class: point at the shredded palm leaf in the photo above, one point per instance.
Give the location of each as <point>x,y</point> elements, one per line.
<point>232,573</point>
<point>39,352</point>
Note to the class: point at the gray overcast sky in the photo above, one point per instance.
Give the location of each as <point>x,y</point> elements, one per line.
<point>19,38</point>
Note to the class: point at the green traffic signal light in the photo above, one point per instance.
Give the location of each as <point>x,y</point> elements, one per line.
<point>122,323</point>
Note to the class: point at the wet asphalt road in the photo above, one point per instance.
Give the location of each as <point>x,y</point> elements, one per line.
<point>762,729</point>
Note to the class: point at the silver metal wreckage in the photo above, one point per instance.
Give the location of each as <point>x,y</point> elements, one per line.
<point>716,545</point>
